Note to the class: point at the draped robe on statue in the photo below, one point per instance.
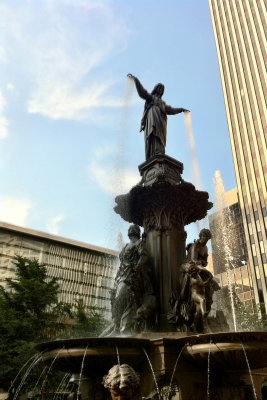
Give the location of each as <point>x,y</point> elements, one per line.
<point>154,121</point>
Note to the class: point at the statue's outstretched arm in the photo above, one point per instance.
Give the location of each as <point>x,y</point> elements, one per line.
<point>172,110</point>
<point>143,93</point>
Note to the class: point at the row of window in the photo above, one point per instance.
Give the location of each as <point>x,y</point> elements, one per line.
<point>263,258</point>
<point>256,215</point>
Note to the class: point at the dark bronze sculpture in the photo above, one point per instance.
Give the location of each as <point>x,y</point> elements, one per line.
<point>163,204</point>
<point>132,300</point>
<point>123,383</point>
<point>154,121</point>
<point>197,286</point>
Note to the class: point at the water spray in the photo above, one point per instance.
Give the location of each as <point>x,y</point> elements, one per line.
<point>250,374</point>
<point>225,222</point>
<point>81,372</point>
<point>153,374</point>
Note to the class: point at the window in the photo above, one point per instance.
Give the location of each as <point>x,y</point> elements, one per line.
<point>252,240</point>
<point>253,248</point>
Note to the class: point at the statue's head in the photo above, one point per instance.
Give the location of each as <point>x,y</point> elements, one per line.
<point>158,89</point>
<point>122,381</point>
<point>204,235</point>
<point>134,231</point>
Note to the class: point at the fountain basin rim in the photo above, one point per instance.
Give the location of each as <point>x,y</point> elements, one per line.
<point>96,351</point>
<point>129,341</point>
<point>93,342</point>
<point>219,347</point>
<point>226,350</point>
<point>218,337</point>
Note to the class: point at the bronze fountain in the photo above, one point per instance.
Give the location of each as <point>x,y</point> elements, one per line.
<point>159,343</point>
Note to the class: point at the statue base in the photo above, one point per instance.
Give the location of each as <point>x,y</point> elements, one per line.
<point>161,169</point>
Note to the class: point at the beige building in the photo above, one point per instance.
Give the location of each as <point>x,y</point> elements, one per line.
<point>240,29</point>
<point>83,271</point>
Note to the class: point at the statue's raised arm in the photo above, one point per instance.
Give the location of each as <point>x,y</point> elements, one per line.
<point>154,120</point>
<point>143,93</point>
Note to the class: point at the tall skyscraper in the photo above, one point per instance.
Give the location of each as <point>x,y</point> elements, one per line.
<point>240,29</point>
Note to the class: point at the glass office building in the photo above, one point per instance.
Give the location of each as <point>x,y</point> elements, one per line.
<point>240,30</point>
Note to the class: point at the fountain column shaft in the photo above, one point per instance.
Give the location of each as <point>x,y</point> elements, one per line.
<point>166,248</point>
<point>163,204</point>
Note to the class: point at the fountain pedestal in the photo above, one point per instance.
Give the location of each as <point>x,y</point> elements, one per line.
<point>163,203</point>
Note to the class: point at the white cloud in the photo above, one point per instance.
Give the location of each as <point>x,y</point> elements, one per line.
<point>3,55</point>
<point>53,225</point>
<point>3,119</point>
<point>3,127</point>
<point>61,47</point>
<point>10,87</point>
<point>14,210</point>
<point>112,180</point>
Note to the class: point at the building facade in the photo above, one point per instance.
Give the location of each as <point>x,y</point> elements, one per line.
<point>240,29</point>
<point>82,271</point>
<point>238,274</point>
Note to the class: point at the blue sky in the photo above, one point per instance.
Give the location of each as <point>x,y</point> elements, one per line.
<point>69,123</point>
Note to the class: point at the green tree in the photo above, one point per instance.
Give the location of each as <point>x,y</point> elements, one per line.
<point>28,308</point>
<point>90,323</point>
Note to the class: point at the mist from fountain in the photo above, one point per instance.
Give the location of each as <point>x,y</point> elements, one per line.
<point>118,170</point>
<point>193,150</point>
<point>224,225</point>
<point>195,163</point>
<point>122,136</point>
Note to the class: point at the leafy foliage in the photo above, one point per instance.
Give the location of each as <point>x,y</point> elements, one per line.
<point>87,324</point>
<point>28,305</point>
<point>30,313</point>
